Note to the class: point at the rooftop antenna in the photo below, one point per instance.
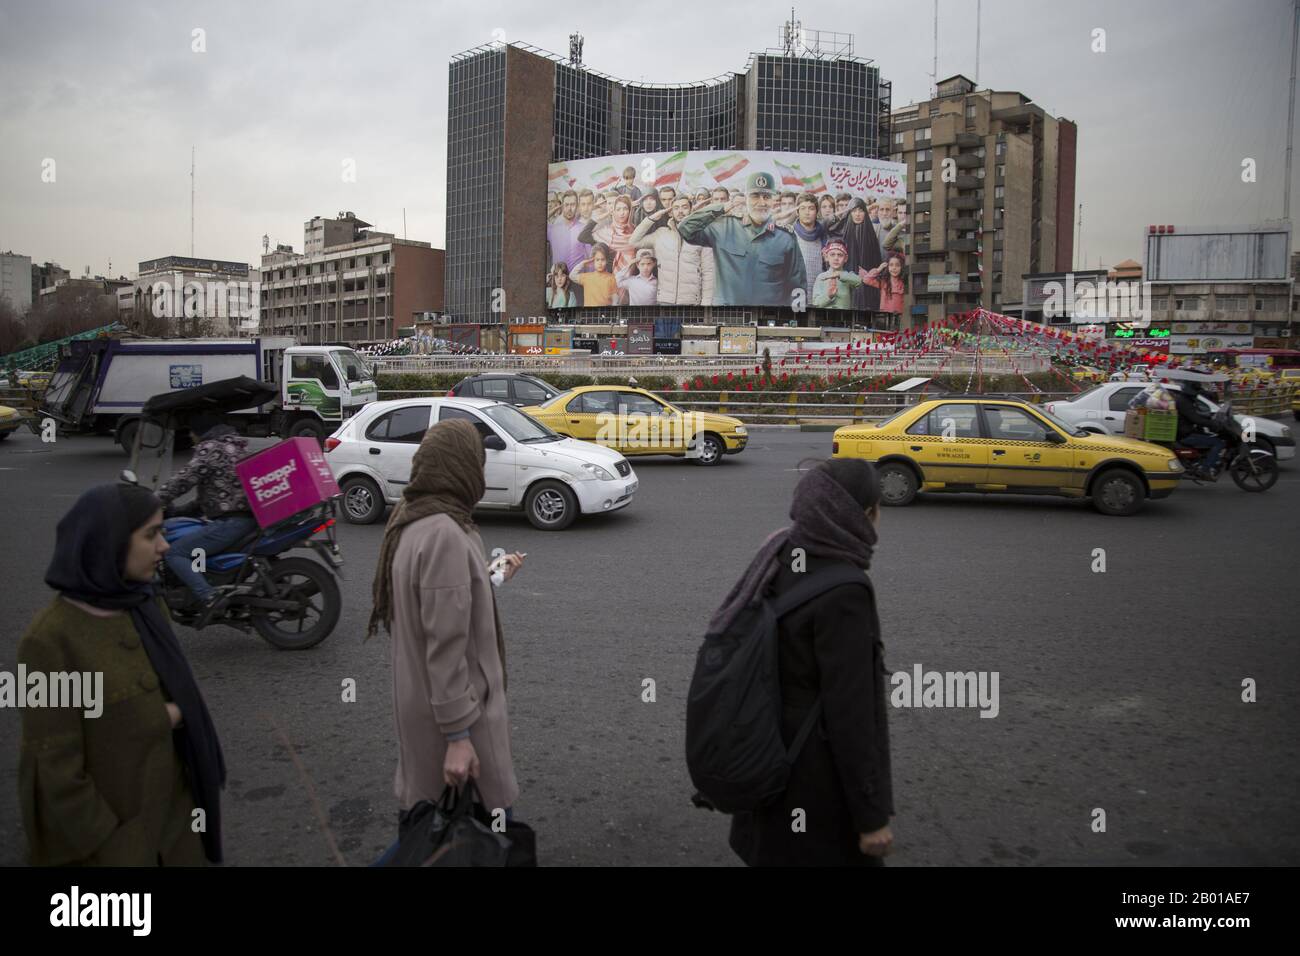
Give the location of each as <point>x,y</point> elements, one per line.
<point>192,199</point>
<point>935,75</point>
<point>575,49</point>
<point>791,35</point>
<point>266,244</point>
<point>977,42</point>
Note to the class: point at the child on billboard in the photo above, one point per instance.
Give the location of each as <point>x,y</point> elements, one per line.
<point>595,275</point>
<point>834,287</point>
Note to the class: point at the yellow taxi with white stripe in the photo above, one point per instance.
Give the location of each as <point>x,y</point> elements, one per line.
<point>1004,446</point>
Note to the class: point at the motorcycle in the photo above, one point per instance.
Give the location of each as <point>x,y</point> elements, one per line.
<point>1251,467</point>
<point>293,602</point>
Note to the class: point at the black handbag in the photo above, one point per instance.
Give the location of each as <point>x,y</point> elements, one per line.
<point>450,832</point>
<point>522,837</point>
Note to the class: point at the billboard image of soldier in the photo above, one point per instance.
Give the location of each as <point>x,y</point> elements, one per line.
<point>733,228</point>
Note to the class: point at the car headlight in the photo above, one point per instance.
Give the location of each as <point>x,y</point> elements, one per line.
<point>1173,464</point>
<point>595,472</point>
<point>740,430</point>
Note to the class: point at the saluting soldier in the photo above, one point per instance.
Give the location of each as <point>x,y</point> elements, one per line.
<point>755,262</point>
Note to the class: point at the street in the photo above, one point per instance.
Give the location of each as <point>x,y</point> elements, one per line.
<point>1119,690</point>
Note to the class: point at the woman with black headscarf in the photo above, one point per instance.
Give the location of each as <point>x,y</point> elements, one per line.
<point>855,228</point>
<point>124,787</point>
<point>433,592</point>
<point>829,649</point>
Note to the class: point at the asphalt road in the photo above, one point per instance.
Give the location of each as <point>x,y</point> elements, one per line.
<point>1118,690</point>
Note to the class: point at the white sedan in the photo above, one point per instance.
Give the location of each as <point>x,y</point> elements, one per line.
<point>1102,408</point>
<point>551,478</point>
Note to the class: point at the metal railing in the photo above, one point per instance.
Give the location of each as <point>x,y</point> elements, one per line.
<point>911,362</point>
<point>45,356</point>
<point>792,407</point>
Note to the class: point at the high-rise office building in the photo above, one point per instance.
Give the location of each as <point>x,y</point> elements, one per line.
<point>513,109</point>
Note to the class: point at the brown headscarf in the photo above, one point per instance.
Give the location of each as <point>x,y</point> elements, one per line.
<point>446,478</point>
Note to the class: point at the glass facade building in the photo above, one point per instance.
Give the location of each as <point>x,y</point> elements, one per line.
<point>810,105</point>
<point>833,105</point>
<point>476,125</point>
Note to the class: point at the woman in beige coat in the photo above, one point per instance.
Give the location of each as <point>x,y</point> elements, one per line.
<point>433,592</point>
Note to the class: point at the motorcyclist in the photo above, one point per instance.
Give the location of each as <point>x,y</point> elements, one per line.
<point>220,497</point>
<point>1191,421</point>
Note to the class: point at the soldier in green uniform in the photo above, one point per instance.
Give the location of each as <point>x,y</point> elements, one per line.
<point>755,262</point>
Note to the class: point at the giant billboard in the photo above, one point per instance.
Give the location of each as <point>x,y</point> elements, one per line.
<point>727,228</point>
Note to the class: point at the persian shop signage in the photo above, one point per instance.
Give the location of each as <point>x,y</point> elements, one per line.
<point>1126,332</point>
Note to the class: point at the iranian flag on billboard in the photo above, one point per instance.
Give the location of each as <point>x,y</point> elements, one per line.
<point>724,167</point>
<point>604,178</point>
<point>790,176</point>
<point>815,183</point>
<point>560,176</point>
<point>669,172</point>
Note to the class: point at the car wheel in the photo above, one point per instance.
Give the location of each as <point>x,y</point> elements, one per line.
<point>709,449</point>
<point>363,503</point>
<point>1118,492</point>
<point>898,485</point>
<point>551,506</point>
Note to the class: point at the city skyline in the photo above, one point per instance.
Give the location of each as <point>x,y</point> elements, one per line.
<point>116,100</point>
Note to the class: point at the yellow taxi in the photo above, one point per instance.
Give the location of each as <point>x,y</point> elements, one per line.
<point>1290,378</point>
<point>1004,446</point>
<point>636,422</point>
<point>1088,373</point>
<point>10,421</point>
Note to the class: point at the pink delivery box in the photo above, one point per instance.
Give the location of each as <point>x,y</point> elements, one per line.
<point>285,479</point>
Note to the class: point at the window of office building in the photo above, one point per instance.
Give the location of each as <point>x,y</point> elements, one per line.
<point>819,106</point>
<point>998,192</point>
<point>922,195</point>
<point>1190,303</point>
<point>475,145</point>
<point>923,155</point>
<point>923,135</point>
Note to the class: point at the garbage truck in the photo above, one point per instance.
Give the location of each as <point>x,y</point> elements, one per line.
<point>100,385</point>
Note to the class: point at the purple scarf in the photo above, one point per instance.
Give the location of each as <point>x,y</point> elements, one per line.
<point>828,523</point>
<point>816,234</point>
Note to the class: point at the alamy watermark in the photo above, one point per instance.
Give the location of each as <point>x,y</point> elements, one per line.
<point>1116,300</point>
<point>922,688</point>
<point>79,690</point>
<point>206,299</point>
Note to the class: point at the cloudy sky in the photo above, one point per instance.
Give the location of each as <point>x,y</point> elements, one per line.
<point>113,92</point>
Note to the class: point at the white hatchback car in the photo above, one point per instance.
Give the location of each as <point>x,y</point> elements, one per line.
<point>552,478</point>
<point>1102,409</point>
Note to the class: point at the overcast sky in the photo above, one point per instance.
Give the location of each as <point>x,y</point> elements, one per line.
<point>113,93</point>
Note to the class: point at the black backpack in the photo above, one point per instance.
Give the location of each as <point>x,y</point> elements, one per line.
<point>734,750</point>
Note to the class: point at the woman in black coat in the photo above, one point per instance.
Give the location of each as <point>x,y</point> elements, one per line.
<point>829,647</point>
<point>859,235</point>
